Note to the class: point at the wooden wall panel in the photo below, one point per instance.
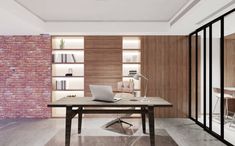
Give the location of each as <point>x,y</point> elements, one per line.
<point>103,42</point>
<point>95,69</point>
<point>104,55</point>
<point>229,66</point>
<point>165,63</point>
<point>103,61</point>
<point>164,60</point>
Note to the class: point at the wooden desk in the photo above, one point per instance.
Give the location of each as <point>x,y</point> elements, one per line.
<point>229,93</point>
<point>81,102</point>
<point>227,90</point>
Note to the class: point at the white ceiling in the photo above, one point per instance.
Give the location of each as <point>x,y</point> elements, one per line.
<point>110,17</point>
<point>104,10</point>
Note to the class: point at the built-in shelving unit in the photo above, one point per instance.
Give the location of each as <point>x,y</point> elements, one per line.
<point>67,69</point>
<point>131,60</point>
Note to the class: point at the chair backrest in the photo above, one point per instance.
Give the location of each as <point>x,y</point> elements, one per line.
<point>126,86</point>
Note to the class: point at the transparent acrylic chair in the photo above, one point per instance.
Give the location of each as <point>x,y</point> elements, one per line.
<point>124,89</point>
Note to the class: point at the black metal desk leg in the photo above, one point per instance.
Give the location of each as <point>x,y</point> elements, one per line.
<point>151,125</point>
<point>68,125</point>
<point>79,120</point>
<point>143,119</point>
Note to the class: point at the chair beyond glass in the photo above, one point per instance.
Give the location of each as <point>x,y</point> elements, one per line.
<point>227,95</point>
<point>124,89</point>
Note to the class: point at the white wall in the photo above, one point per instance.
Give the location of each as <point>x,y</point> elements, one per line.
<point>108,28</point>
<point>16,20</point>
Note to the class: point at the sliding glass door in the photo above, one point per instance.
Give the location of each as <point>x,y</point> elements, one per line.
<point>212,77</point>
<point>229,78</point>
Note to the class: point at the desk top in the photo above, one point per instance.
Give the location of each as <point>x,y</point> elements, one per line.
<point>226,88</point>
<point>229,88</point>
<point>125,102</point>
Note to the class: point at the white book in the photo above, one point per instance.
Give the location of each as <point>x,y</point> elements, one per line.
<point>59,85</point>
<point>58,58</point>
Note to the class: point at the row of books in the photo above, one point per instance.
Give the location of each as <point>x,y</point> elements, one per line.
<point>60,85</point>
<point>132,72</point>
<point>63,58</point>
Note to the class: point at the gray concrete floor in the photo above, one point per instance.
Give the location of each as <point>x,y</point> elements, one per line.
<point>37,132</point>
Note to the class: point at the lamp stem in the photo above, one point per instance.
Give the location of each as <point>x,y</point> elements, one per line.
<point>146,87</point>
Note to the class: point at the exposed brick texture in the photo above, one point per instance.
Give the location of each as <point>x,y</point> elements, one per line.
<point>25,76</point>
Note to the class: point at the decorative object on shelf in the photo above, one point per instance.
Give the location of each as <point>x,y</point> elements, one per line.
<point>134,58</point>
<point>128,59</point>
<point>70,72</point>
<point>62,42</point>
<point>137,77</point>
<point>71,95</point>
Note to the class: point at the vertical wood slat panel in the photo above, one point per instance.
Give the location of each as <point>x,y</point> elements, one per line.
<point>103,42</point>
<point>103,61</point>
<point>164,62</point>
<point>193,74</point>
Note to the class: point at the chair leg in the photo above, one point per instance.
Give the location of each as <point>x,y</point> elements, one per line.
<point>112,123</point>
<point>117,121</point>
<point>215,105</point>
<point>233,120</point>
<point>126,122</point>
<point>226,108</point>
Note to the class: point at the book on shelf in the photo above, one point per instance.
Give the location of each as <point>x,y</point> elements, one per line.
<point>53,58</point>
<point>73,57</point>
<point>70,58</point>
<point>132,72</point>
<point>63,58</point>
<point>61,85</point>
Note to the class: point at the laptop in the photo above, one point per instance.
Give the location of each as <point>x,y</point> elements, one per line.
<point>103,93</point>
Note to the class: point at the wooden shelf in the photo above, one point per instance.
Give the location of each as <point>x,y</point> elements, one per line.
<point>131,49</point>
<point>131,63</point>
<point>67,76</point>
<point>73,57</point>
<point>69,90</point>
<point>127,76</point>
<point>68,63</point>
<point>126,54</point>
<point>67,49</point>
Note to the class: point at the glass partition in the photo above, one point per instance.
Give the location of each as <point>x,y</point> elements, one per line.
<point>216,81</point>
<point>193,76</point>
<point>201,78</point>
<point>229,78</point>
<point>212,77</point>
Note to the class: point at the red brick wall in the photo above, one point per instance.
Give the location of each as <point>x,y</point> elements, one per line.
<point>25,76</point>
